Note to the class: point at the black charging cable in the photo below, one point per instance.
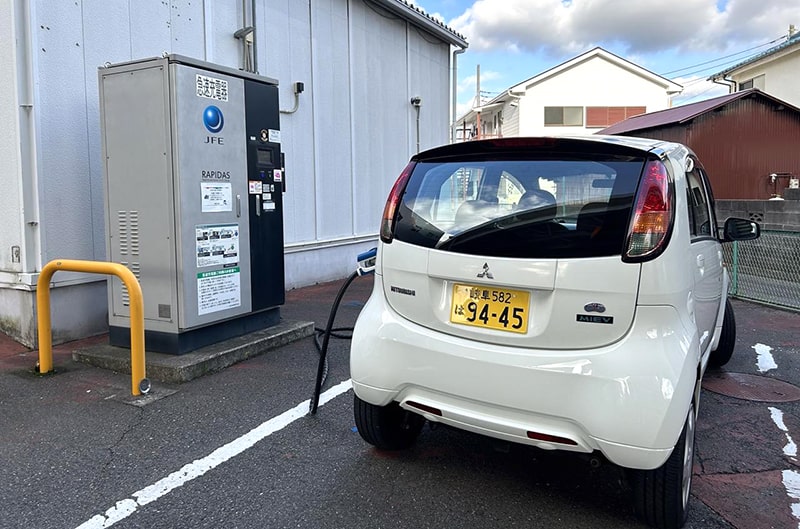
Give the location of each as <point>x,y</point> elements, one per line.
<point>322,368</point>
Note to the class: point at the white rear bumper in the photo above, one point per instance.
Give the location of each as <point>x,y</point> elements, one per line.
<point>627,400</point>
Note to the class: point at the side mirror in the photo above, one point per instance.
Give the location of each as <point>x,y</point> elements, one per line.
<point>741,230</point>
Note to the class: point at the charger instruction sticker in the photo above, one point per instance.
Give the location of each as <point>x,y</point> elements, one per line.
<point>217,244</point>
<point>218,290</point>
<point>216,196</point>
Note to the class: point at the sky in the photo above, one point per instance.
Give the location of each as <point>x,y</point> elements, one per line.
<point>683,40</point>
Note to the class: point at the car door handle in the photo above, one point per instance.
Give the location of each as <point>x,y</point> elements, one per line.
<point>701,261</point>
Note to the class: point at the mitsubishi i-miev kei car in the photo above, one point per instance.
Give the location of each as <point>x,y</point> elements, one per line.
<point>565,293</point>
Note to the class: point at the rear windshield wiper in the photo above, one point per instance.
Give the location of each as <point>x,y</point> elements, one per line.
<point>512,220</point>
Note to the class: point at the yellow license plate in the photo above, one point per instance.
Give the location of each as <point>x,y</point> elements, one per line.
<point>503,309</point>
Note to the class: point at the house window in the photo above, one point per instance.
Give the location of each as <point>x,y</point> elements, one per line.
<point>607,116</point>
<point>563,116</point>
<point>755,82</point>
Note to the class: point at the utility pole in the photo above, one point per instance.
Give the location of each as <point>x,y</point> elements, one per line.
<point>478,101</point>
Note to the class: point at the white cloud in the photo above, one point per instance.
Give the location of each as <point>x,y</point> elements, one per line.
<point>560,28</point>
<point>469,83</point>
<point>436,16</point>
<point>463,108</point>
<point>697,89</point>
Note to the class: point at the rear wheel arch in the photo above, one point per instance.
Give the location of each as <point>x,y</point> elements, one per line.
<point>722,354</point>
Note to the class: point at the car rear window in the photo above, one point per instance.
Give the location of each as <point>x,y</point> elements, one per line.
<point>541,208</point>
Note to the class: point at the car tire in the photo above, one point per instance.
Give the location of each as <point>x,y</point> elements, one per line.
<point>661,496</point>
<point>387,427</point>
<point>727,339</point>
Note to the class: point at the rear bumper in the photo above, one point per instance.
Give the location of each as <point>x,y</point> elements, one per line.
<point>627,400</point>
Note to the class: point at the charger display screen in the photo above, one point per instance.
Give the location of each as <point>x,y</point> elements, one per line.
<point>264,157</point>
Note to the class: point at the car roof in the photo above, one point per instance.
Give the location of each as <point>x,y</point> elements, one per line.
<point>623,145</point>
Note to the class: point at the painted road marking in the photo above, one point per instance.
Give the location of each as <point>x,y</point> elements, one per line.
<point>765,361</point>
<point>124,508</point>
<point>790,450</point>
<point>791,480</point>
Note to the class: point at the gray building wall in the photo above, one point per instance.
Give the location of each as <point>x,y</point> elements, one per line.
<point>350,137</point>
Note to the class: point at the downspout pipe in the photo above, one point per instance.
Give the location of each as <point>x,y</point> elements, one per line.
<point>456,53</point>
<point>724,81</point>
<point>31,258</point>
<point>255,35</point>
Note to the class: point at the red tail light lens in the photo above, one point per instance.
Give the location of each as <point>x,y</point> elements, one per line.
<point>653,214</point>
<point>390,210</point>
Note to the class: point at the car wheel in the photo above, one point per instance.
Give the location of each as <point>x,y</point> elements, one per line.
<point>661,496</point>
<point>387,427</point>
<point>722,354</point>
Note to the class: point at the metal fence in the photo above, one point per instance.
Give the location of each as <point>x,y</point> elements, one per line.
<point>767,269</point>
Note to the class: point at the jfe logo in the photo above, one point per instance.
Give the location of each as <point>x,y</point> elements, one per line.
<point>213,119</point>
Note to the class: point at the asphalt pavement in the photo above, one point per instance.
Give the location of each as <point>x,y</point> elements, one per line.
<point>235,448</point>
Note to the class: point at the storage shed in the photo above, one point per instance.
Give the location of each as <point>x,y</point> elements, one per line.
<point>742,139</point>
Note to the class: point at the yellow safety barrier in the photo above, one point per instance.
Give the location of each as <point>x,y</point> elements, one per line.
<point>139,384</point>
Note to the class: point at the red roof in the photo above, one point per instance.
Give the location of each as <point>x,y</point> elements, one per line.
<point>685,113</point>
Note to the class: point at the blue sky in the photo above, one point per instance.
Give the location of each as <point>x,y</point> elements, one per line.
<point>683,40</point>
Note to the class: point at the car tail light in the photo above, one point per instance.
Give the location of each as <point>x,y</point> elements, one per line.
<point>390,210</point>
<point>654,209</point>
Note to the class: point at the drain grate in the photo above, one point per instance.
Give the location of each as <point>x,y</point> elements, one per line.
<point>751,387</point>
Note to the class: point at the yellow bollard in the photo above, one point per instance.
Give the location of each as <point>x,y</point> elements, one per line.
<point>136,307</point>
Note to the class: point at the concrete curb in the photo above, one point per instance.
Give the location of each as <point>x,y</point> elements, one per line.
<point>183,368</point>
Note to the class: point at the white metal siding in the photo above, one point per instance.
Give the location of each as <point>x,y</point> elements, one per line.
<point>11,233</point>
<point>353,132</point>
<point>511,119</point>
<point>350,137</point>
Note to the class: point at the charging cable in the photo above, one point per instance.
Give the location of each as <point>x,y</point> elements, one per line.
<point>366,266</point>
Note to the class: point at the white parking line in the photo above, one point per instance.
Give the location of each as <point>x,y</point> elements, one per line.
<point>791,480</point>
<point>765,361</point>
<point>124,508</point>
<point>790,450</point>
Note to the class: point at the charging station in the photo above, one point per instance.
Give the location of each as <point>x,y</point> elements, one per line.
<point>194,182</point>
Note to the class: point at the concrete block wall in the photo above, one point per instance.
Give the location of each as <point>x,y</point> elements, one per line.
<point>773,215</point>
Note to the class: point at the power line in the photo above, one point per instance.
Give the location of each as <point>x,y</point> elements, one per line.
<point>695,96</point>
<point>724,57</point>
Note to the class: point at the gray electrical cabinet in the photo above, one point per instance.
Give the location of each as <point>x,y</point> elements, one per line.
<point>194,181</point>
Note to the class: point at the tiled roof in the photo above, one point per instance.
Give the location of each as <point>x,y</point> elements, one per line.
<point>791,41</point>
<point>412,12</point>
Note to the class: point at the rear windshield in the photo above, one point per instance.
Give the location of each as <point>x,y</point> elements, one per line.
<point>543,208</point>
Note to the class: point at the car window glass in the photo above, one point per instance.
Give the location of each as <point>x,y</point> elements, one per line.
<point>461,184</point>
<point>509,191</point>
<point>542,207</point>
<point>699,210</point>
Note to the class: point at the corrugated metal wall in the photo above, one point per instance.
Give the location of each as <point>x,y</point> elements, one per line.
<point>349,139</point>
<point>346,144</point>
<point>740,145</point>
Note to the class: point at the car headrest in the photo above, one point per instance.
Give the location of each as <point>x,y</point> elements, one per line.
<point>539,200</point>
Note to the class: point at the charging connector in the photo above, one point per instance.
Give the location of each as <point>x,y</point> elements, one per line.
<point>366,262</point>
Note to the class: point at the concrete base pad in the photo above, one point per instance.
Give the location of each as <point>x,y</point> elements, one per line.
<point>182,368</point>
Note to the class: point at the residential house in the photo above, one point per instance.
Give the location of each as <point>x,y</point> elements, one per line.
<point>748,141</point>
<point>775,71</point>
<point>580,96</point>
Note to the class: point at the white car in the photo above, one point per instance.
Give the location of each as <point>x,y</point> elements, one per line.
<point>565,293</point>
